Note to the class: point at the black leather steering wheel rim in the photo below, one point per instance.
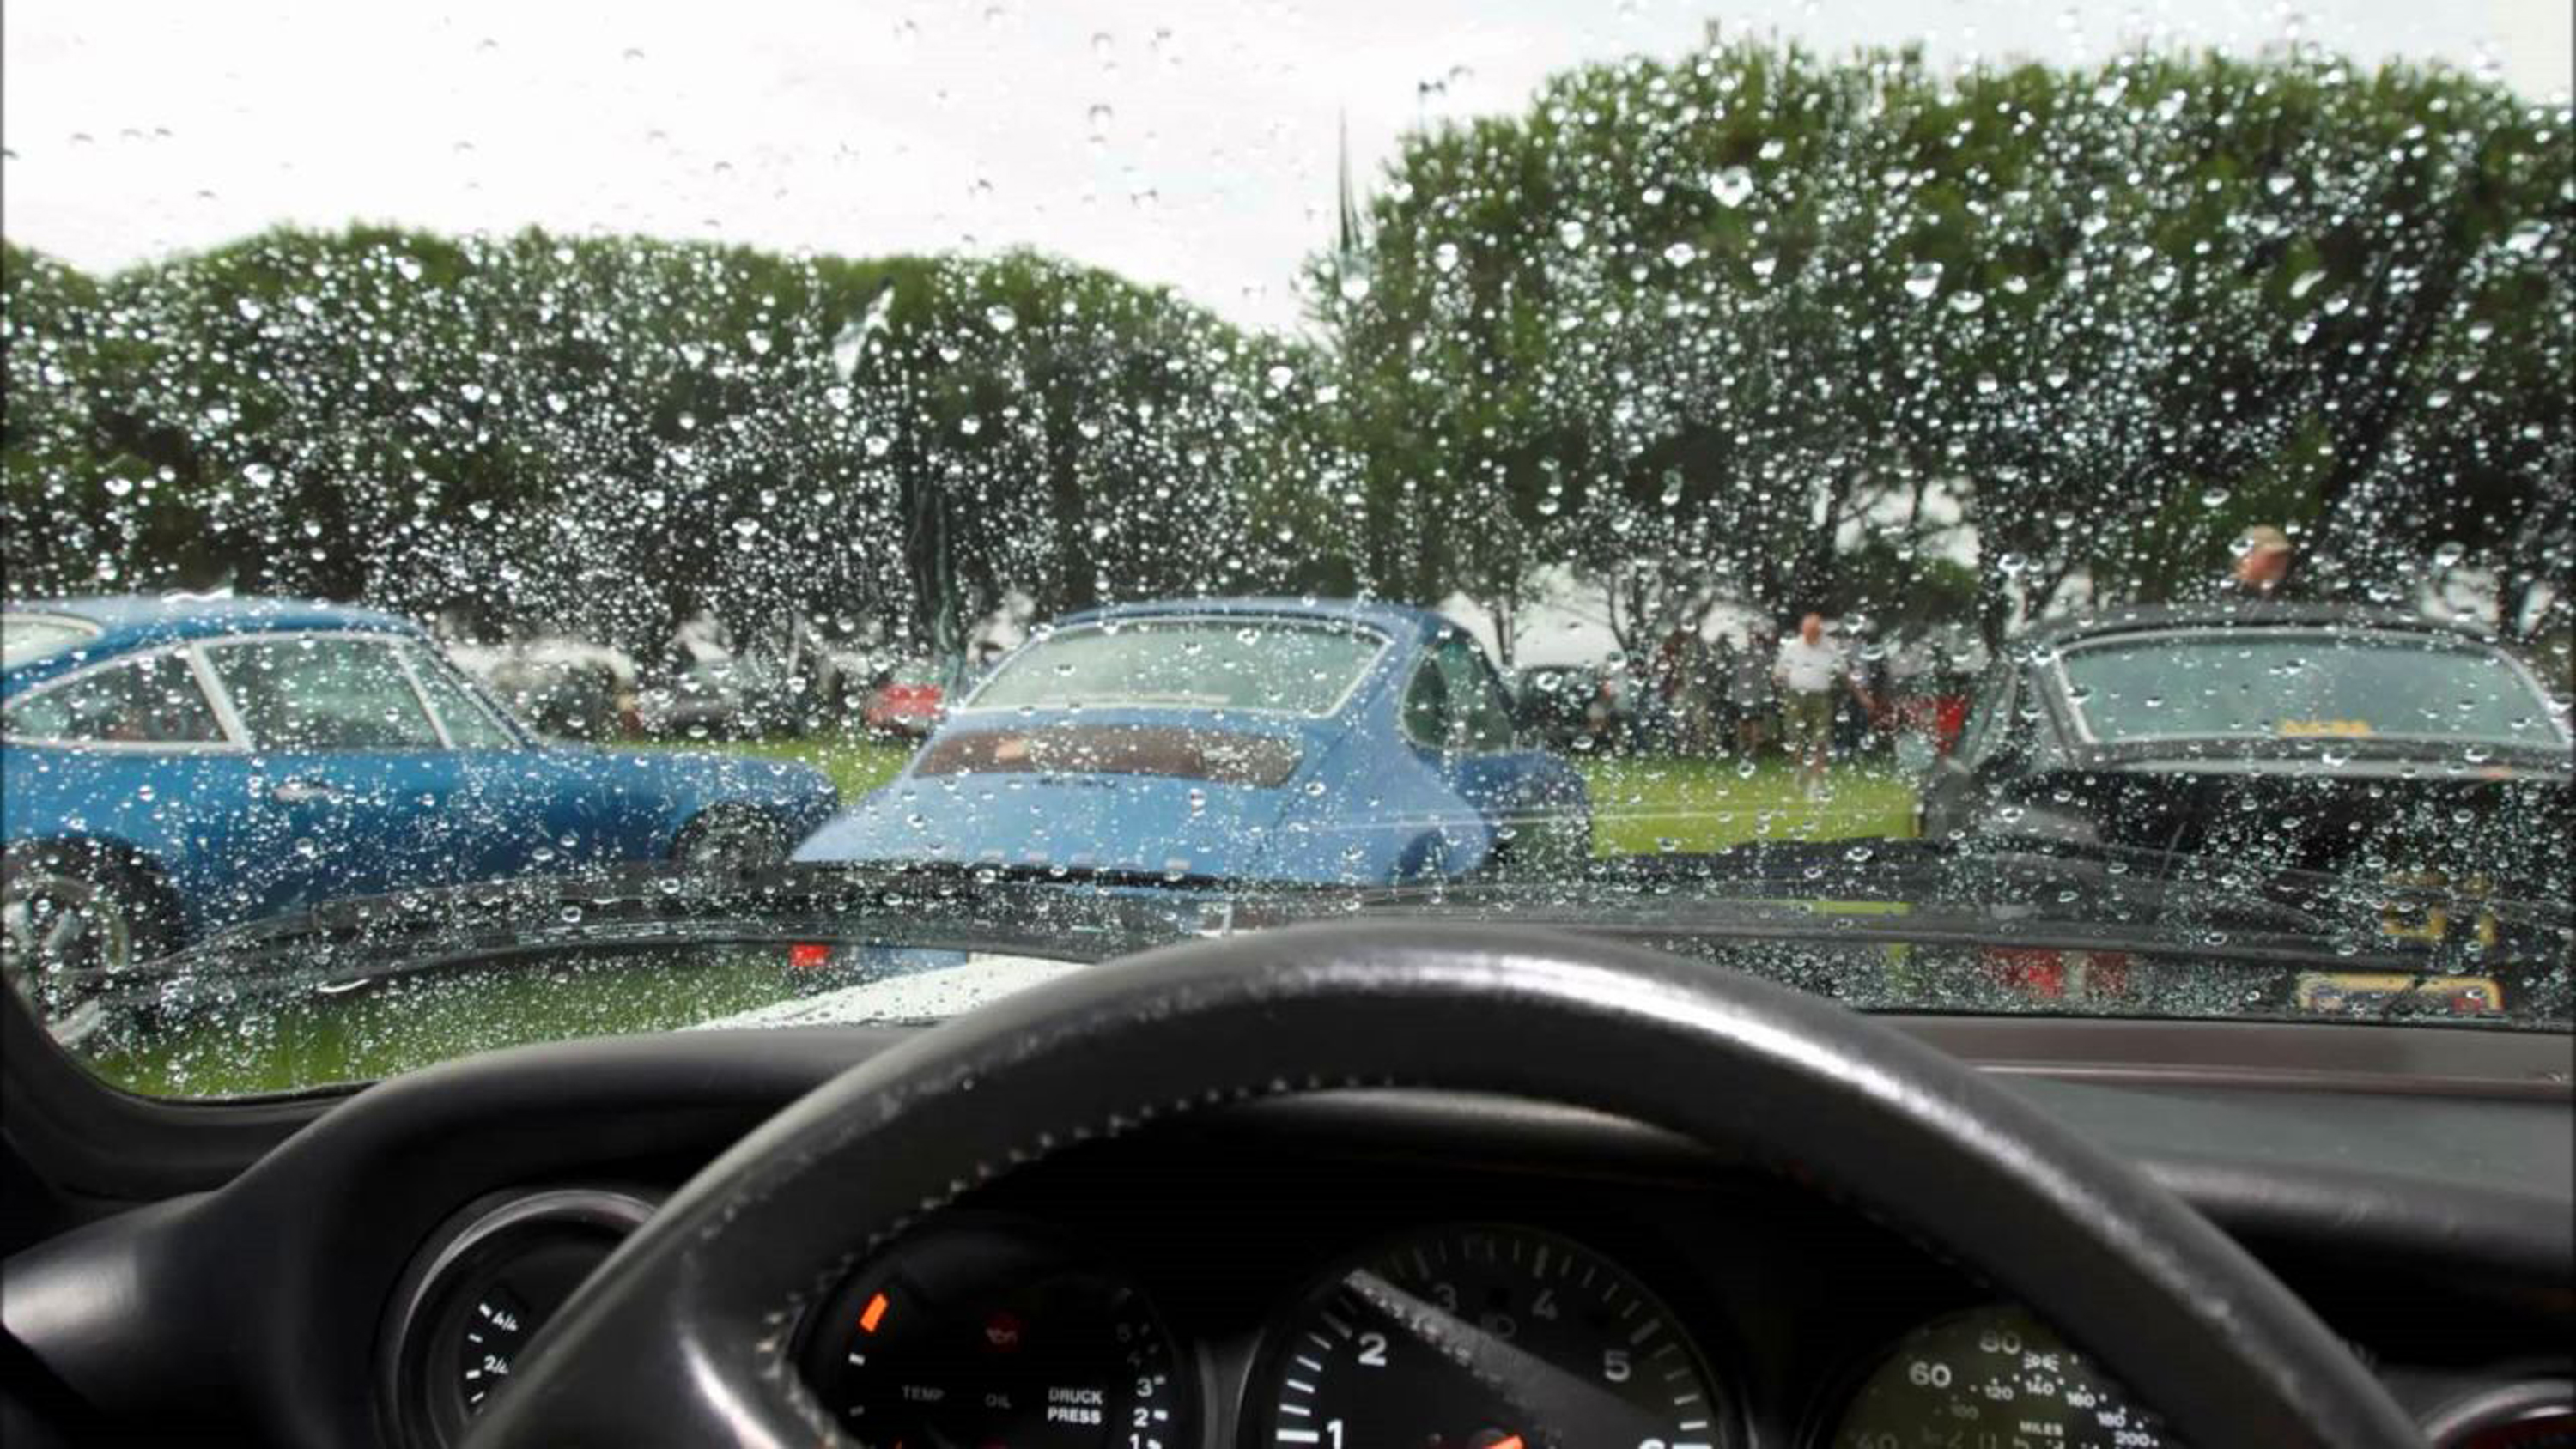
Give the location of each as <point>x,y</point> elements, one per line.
<point>684,1336</point>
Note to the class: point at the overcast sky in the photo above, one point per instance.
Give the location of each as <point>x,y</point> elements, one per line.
<point>1181,142</point>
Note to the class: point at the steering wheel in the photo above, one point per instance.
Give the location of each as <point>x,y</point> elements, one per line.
<point>683,1336</point>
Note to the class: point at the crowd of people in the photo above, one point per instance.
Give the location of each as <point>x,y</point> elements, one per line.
<point>1819,695</point>
<point>1811,692</point>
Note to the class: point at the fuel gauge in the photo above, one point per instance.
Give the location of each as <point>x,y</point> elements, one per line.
<point>470,1307</point>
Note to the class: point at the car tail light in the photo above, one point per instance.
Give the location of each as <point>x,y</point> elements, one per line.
<point>808,956</point>
<point>2047,975</point>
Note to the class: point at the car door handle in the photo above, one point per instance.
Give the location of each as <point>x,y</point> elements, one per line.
<point>302,792</point>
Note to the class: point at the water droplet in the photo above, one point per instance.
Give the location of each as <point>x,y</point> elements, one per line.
<point>1445,257</point>
<point>1571,233</point>
<point>1967,304</point>
<point>1001,319</point>
<point>1923,280</point>
<point>1732,186</point>
<point>1681,254</point>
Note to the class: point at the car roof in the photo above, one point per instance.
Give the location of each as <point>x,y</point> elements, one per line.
<point>1397,620</point>
<point>130,621</point>
<point>2249,614</point>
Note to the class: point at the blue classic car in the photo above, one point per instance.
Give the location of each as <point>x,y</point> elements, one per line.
<point>174,766</point>
<point>1243,740</point>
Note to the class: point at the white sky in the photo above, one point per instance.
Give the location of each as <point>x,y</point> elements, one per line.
<point>133,129</point>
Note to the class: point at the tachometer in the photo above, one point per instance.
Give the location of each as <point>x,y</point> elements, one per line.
<point>1992,1375</point>
<point>1484,1338</point>
<point>980,1334</point>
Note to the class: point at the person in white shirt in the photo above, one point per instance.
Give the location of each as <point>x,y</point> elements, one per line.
<point>1809,667</point>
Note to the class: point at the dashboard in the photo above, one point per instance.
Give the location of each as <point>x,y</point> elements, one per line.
<point>1358,1270</point>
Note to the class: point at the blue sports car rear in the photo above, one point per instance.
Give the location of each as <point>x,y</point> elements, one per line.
<point>1258,740</point>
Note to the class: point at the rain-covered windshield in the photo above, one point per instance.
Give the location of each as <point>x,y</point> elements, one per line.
<point>524,523</point>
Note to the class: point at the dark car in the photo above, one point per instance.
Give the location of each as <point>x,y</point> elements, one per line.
<point>2297,737</point>
<point>1569,706</point>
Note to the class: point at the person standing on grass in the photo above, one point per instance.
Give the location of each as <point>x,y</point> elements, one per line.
<point>1749,689</point>
<point>1808,671</point>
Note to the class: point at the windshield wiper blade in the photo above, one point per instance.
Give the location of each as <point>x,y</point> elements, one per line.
<point>654,907</point>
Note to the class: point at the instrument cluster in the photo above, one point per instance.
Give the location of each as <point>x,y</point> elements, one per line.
<point>988,1330</point>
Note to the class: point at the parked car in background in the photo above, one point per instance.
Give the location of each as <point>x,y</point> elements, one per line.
<point>904,700</point>
<point>1230,739</point>
<point>175,766</point>
<point>1570,706</point>
<point>2298,737</point>
<point>559,685</point>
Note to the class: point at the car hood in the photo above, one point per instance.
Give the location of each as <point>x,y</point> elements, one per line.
<point>2510,823</point>
<point>937,985</point>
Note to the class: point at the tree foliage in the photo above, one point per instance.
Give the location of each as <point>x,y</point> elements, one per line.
<point>1702,325</point>
<point>1750,326</point>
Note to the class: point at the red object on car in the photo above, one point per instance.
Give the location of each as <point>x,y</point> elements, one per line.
<point>1941,717</point>
<point>2046,975</point>
<point>906,702</point>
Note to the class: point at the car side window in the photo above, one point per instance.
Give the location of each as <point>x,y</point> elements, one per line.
<point>323,693</point>
<point>1480,713</point>
<point>470,725</point>
<point>151,700</point>
<point>1426,704</point>
<point>1454,701</point>
<point>1987,715</point>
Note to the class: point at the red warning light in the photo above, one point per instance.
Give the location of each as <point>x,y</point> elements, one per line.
<point>1002,1331</point>
<point>808,956</point>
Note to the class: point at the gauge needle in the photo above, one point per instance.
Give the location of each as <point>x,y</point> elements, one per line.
<point>1559,1405</point>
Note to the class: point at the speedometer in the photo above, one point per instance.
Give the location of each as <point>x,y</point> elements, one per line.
<point>1484,1338</point>
<point>1992,1375</point>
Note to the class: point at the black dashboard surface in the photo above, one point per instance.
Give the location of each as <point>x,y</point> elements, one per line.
<point>2416,1186</point>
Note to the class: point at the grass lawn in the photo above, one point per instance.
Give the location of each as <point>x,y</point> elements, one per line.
<point>1643,806</point>
<point>857,766</point>
<point>1640,806</point>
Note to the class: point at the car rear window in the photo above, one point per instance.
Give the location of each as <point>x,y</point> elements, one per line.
<point>1186,663</point>
<point>25,638</point>
<point>2291,685</point>
<point>153,700</point>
